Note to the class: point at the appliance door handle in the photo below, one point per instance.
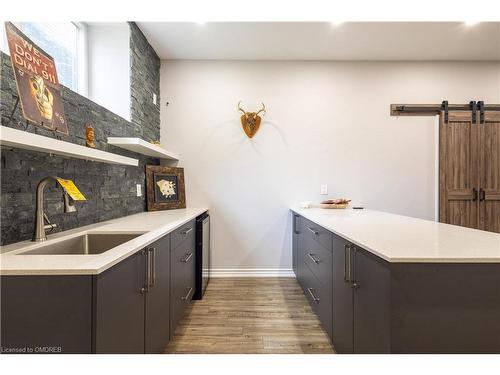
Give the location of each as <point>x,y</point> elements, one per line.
<point>315,260</point>
<point>187,231</point>
<point>152,266</point>
<point>312,230</point>
<point>186,258</point>
<point>186,297</point>
<point>313,296</point>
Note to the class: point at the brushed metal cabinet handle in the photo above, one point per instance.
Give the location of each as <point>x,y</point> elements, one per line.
<point>186,297</point>
<point>312,230</point>
<point>352,260</point>
<point>315,260</point>
<point>187,231</point>
<point>313,296</point>
<point>152,266</point>
<point>295,218</point>
<point>346,262</point>
<point>147,271</point>
<point>186,258</point>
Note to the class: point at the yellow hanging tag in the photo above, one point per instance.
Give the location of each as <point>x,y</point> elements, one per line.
<point>70,188</point>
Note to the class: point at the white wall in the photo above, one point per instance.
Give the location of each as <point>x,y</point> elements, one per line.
<point>109,66</point>
<point>327,122</point>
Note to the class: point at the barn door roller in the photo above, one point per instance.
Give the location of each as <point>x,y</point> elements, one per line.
<point>444,108</point>
<point>473,108</point>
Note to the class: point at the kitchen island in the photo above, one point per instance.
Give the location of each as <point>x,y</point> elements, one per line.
<point>385,283</point>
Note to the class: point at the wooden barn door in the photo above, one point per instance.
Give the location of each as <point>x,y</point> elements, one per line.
<point>459,169</point>
<point>489,172</point>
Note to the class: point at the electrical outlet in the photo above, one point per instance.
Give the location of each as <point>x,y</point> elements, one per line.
<point>154,98</point>
<point>139,190</point>
<point>324,189</point>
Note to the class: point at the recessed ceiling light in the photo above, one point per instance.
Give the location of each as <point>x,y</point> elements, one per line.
<point>471,23</point>
<point>336,23</point>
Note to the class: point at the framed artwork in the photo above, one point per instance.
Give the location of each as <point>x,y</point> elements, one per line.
<point>37,83</point>
<point>165,188</point>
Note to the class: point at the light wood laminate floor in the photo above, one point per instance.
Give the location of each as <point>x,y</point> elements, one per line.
<point>250,315</point>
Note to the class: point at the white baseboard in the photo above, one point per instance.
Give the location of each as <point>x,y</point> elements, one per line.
<point>265,272</point>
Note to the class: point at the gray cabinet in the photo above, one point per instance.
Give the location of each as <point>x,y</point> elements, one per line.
<point>347,287</point>
<point>295,241</point>
<point>183,271</point>
<point>132,302</point>
<point>119,307</point>
<point>157,326</point>
<point>342,307</point>
<point>132,307</point>
<point>314,264</point>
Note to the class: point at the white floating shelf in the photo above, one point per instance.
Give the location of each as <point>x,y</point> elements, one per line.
<point>142,147</point>
<point>29,141</point>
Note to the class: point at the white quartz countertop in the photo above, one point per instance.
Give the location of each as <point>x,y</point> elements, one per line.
<point>151,225</point>
<point>403,239</point>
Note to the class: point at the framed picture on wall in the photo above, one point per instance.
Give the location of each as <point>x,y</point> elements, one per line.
<point>165,188</point>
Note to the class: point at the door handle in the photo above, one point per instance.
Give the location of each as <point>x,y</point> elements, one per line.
<point>186,258</point>
<point>152,266</point>
<point>312,230</point>
<point>313,296</point>
<point>315,260</point>
<point>474,194</point>
<point>186,297</point>
<point>482,194</point>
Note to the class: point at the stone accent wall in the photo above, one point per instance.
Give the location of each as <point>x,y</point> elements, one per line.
<point>144,81</point>
<point>110,189</point>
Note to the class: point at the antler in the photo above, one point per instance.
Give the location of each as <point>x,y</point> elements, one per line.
<point>262,110</point>
<point>241,109</point>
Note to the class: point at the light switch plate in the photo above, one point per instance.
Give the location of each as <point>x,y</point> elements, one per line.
<point>139,190</point>
<point>154,98</point>
<point>324,189</point>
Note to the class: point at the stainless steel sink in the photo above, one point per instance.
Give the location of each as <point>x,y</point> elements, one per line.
<point>90,243</point>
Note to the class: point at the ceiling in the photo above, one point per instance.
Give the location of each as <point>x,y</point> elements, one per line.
<point>324,40</point>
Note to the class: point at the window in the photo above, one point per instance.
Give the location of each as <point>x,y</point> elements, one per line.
<point>65,42</point>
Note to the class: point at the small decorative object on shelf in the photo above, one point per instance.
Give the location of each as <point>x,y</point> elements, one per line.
<point>165,188</point>
<point>250,121</point>
<point>89,136</point>
<point>335,203</point>
<point>37,83</point>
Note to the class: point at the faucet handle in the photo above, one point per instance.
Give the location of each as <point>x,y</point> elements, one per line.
<point>69,206</point>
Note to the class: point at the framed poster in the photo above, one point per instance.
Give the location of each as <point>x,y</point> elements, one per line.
<point>37,83</point>
<point>165,188</point>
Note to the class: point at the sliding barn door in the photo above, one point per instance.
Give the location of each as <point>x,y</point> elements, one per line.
<point>458,169</point>
<point>489,172</point>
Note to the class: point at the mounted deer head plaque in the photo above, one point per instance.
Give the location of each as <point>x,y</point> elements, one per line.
<point>250,121</point>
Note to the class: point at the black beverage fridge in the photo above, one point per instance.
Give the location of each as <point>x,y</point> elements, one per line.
<point>203,257</point>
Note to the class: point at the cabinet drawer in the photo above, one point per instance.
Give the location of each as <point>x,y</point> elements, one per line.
<point>318,233</point>
<point>182,283</point>
<point>319,297</point>
<point>184,233</point>
<point>319,260</point>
